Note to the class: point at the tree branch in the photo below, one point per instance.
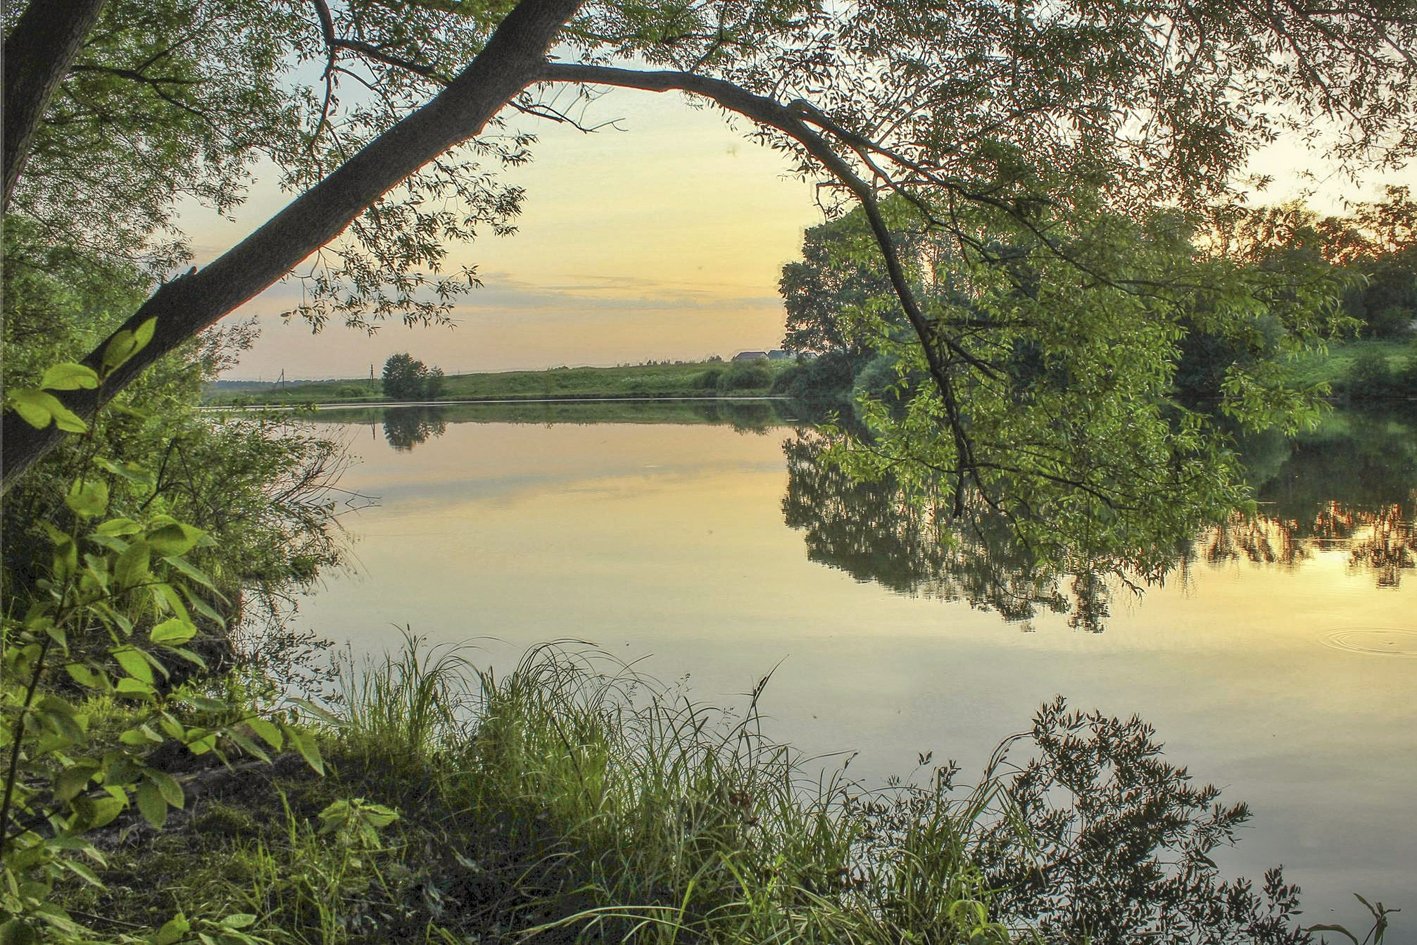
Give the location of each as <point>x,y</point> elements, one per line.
<point>511,60</point>
<point>38,54</point>
<point>790,120</point>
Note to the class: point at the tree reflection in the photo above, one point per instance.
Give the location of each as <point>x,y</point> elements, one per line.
<point>407,427</point>
<point>1352,483</point>
<point>875,531</point>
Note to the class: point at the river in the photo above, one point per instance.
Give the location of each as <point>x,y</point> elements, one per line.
<point>1278,660</point>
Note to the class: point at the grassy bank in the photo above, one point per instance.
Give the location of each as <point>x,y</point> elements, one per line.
<point>705,379</point>
<point>1335,366</point>
<point>573,801</point>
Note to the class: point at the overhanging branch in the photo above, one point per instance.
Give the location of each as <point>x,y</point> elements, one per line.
<point>510,61</point>
<point>792,120</point>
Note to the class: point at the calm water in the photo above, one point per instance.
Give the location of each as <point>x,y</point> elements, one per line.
<point>1278,661</point>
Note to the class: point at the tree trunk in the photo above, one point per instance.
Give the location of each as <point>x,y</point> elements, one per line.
<point>38,54</point>
<point>512,60</point>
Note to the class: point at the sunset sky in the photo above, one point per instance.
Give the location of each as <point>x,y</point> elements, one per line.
<point>664,240</point>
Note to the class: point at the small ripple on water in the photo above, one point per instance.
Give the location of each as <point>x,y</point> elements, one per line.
<point>1373,641</point>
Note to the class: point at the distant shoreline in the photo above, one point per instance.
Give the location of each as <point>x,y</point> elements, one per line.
<point>706,380</point>
<point>363,404</point>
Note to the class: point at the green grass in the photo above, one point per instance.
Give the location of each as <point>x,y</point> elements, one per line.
<point>1335,364</point>
<point>572,800</point>
<point>569,800</point>
<point>652,380</point>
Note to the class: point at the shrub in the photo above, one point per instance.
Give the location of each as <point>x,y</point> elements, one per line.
<point>1369,377</point>
<point>746,376</point>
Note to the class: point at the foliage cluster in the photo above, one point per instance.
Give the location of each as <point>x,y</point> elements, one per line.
<point>136,556</point>
<point>92,639</point>
<point>1373,377</point>
<point>261,488</point>
<point>406,378</point>
<point>572,800</point>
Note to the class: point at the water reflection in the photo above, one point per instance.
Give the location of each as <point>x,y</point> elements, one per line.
<point>1351,484</point>
<point>875,531</point>
<point>406,427</point>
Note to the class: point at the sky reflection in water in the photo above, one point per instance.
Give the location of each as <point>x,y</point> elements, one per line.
<point>1275,661</point>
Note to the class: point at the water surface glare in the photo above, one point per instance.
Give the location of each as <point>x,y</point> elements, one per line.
<point>666,542</point>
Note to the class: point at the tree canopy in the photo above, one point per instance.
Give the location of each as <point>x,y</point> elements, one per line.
<point>1059,127</point>
<point>407,378</point>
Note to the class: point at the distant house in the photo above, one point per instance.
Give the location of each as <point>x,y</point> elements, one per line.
<point>751,356</point>
<point>778,354</point>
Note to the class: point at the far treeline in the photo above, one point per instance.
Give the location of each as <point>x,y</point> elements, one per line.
<point>695,379</point>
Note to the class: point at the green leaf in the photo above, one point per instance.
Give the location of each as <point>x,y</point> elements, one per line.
<point>247,745</point>
<point>134,663</point>
<point>132,565</point>
<point>86,676</point>
<point>124,344</point>
<point>38,408</point>
<point>171,727</point>
<point>66,420</point>
<point>303,742</point>
<point>238,920</point>
<point>101,811</point>
<point>203,608</point>
<point>191,571</point>
<point>168,787</point>
<point>60,716</point>
<point>51,629</point>
<point>128,686</point>
<point>165,596</point>
<point>173,930</point>
<point>269,732</point>
<point>130,471</point>
<point>120,348</point>
<point>144,333</point>
<point>151,804</point>
<point>140,736</point>
<point>33,406</point>
<point>317,711</point>
<point>72,781</point>
<point>174,631</point>
<point>201,744</point>
<point>82,871</point>
<point>189,655</point>
<point>69,376</point>
<point>118,526</point>
<point>88,497</point>
<point>174,538</point>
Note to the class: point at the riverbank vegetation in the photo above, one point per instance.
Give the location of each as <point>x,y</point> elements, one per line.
<point>693,379</point>
<point>161,787</point>
<point>1350,281</point>
<point>572,800</point>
